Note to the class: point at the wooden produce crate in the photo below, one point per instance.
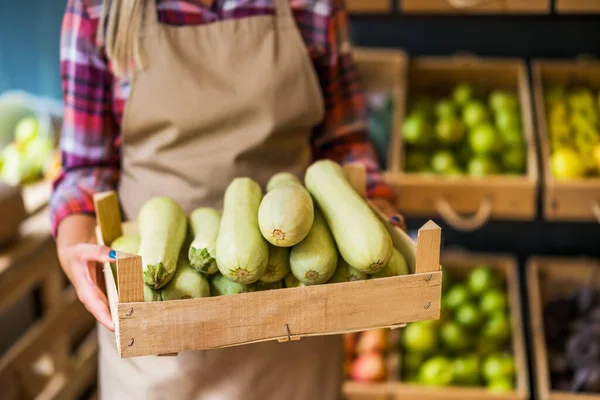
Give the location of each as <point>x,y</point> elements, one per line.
<point>467,203</point>
<point>476,6</point>
<point>158,328</point>
<point>368,6</point>
<point>577,199</point>
<point>578,6</point>
<point>459,263</point>
<point>384,71</point>
<point>56,359</point>
<point>547,279</point>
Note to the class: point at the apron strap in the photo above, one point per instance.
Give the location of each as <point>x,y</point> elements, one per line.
<point>283,8</point>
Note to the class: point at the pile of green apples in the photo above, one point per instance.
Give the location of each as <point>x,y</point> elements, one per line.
<point>573,116</point>
<point>467,132</point>
<point>27,157</point>
<point>470,344</point>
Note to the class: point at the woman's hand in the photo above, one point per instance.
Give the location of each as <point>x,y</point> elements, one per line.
<point>390,211</point>
<point>82,259</point>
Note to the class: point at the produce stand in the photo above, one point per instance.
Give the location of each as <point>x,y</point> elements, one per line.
<point>467,203</point>
<point>159,328</point>
<point>565,200</point>
<point>547,279</point>
<point>459,263</point>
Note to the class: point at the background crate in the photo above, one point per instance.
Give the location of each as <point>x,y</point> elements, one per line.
<point>458,263</point>
<point>154,328</point>
<point>476,6</point>
<point>463,202</point>
<point>577,6</point>
<point>549,278</point>
<point>577,199</point>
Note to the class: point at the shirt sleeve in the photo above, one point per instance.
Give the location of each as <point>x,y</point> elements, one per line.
<point>343,135</point>
<point>90,157</point>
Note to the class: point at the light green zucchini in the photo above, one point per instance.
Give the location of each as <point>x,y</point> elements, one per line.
<point>291,281</point>
<point>162,225</point>
<point>345,273</point>
<point>186,283</point>
<point>362,239</point>
<point>281,179</point>
<point>396,267</point>
<point>242,252</point>
<point>204,225</point>
<point>131,244</point>
<point>286,212</point>
<point>221,286</point>
<point>313,260</point>
<point>278,266</point>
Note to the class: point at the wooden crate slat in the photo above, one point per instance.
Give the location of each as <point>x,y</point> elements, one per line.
<point>368,6</point>
<point>475,6</point>
<point>578,6</point>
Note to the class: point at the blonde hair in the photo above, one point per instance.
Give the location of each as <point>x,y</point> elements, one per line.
<point>120,33</point>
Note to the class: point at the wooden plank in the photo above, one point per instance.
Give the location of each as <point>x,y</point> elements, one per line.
<point>428,240</point>
<point>578,6</point>
<point>12,212</point>
<point>573,200</point>
<point>368,6</point>
<point>176,326</point>
<point>108,216</point>
<point>475,6</point>
<point>130,279</point>
<point>493,197</point>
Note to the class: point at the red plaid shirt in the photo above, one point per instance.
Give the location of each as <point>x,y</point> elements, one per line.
<point>94,98</point>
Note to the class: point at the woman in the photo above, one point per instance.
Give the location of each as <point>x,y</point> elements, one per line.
<point>178,97</point>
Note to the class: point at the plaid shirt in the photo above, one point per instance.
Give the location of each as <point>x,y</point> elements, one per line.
<point>94,98</point>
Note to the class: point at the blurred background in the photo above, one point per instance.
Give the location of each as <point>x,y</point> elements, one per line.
<point>521,232</point>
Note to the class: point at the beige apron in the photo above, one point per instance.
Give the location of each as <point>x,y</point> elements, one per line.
<point>232,98</point>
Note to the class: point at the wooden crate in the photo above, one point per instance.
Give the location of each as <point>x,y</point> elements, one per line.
<point>384,70</point>
<point>156,328</point>
<point>577,199</point>
<point>578,6</point>
<point>467,203</point>
<point>475,6</point>
<point>547,279</point>
<point>56,359</point>
<point>17,203</point>
<point>368,6</point>
<point>459,263</point>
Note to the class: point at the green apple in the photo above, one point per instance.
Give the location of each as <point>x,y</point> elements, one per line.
<point>507,119</point>
<point>454,171</point>
<point>465,370</point>
<point>462,93</point>
<point>503,100</point>
<point>483,139</point>
<point>486,346</point>
<point>567,164</point>
<point>38,151</point>
<point>436,371</point>
<point>456,296</point>
<point>481,166</point>
<point>474,113</point>
<point>469,315</point>
<point>449,130</point>
<point>511,138</point>
<point>492,301</point>
<point>417,131</point>
<point>454,336</point>
<point>26,130</point>
<point>498,365</point>
<point>513,159</point>
<point>416,160</point>
<point>497,327</point>
<point>420,337</point>
<point>445,108</point>
<point>500,385</point>
<point>442,160</point>
<point>481,279</point>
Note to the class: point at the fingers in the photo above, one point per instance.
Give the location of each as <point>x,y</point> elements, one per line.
<point>91,296</point>
<point>94,252</point>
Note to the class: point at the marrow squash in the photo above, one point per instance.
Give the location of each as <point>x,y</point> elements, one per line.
<point>278,266</point>
<point>204,226</point>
